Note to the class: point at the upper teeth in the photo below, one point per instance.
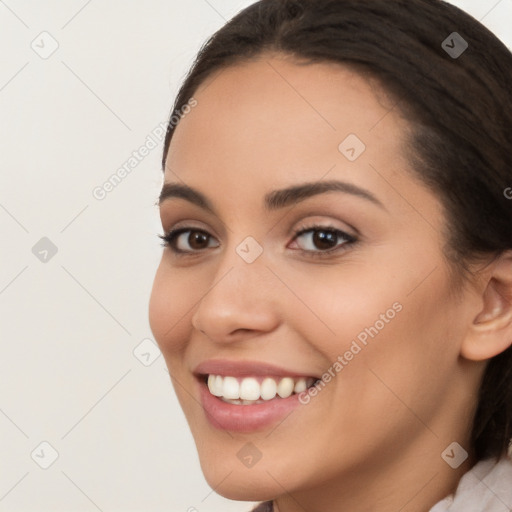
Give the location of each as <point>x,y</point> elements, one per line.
<point>249,388</point>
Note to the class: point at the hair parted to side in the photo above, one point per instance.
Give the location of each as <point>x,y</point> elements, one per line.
<point>459,109</point>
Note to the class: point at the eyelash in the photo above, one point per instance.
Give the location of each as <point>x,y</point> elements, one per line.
<point>169,240</point>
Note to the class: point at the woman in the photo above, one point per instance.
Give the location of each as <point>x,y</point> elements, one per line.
<point>334,301</point>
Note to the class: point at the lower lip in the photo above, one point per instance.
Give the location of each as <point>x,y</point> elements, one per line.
<point>245,418</point>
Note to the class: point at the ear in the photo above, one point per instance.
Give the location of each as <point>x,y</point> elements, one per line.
<point>490,333</point>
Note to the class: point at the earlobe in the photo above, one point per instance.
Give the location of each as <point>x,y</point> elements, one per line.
<point>491,330</point>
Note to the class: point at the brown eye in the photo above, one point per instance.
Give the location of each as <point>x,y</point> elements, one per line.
<point>187,240</point>
<point>322,240</point>
<point>197,239</point>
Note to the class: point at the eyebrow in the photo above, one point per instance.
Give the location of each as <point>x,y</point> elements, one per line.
<point>274,200</point>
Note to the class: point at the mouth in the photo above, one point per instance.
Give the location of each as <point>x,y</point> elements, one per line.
<point>253,390</point>
<point>248,396</point>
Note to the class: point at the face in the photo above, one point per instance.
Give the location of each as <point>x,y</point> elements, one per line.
<point>314,256</point>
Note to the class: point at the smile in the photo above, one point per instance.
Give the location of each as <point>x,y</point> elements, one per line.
<point>248,396</point>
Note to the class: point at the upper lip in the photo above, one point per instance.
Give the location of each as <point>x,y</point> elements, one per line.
<point>244,368</point>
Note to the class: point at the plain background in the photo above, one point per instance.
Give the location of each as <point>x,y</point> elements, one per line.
<point>78,367</point>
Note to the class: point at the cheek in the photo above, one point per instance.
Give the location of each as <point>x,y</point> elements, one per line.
<point>338,304</point>
<point>406,348</point>
<point>169,306</point>
<point>364,319</point>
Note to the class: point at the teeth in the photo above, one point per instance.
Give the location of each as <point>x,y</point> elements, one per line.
<point>249,391</point>
<point>230,388</point>
<point>218,385</point>
<point>215,384</point>
<point>300,386</point>
<point>285,387</point>
<point>268,389</point>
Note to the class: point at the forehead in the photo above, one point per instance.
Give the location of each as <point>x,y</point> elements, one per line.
<point>272,122</point>
<point>283,102</point>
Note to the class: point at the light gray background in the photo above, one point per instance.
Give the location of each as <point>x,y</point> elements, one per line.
<point>70,325</point>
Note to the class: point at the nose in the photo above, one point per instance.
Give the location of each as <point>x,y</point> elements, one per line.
<point>241,300</point>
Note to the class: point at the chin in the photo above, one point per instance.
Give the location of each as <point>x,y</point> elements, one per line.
<point>242,484</point>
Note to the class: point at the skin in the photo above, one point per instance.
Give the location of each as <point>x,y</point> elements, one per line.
<point>373,436</point>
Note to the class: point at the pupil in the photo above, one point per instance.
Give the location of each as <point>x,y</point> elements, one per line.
<point>196,237</point>
<point>320,237</point>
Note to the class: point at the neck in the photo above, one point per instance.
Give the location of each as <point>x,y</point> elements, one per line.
<point>414,482</point>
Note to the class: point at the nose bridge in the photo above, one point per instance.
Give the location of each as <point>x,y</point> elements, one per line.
<point>238,296</point>
<point>242,271</point>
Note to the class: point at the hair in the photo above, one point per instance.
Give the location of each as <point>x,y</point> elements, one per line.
<point>459,110</point>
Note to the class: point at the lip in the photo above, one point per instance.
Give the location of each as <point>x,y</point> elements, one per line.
<point>244,418</point>
<point>245,369</point>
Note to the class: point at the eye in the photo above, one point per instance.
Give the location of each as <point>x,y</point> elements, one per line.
<point>177,240</point>
<point>323,240</point>
<point>319,240</point>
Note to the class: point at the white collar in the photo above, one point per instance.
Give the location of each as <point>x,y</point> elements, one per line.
<point>486,487</point>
